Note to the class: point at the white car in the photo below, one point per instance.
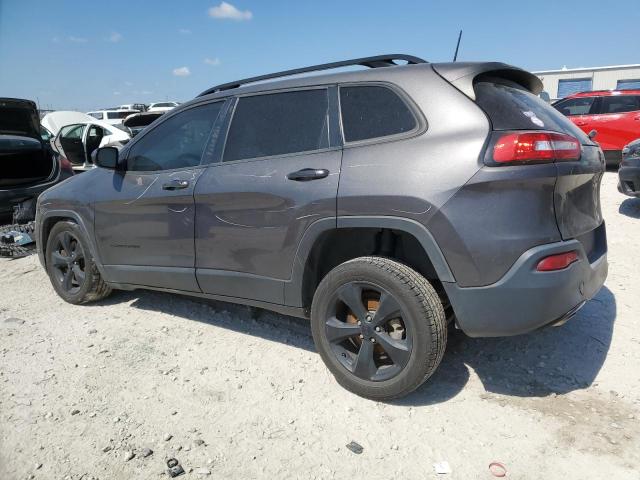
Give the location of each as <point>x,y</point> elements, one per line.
<point>112,117</point>
<point>78,135</point>
<point>162,106</point>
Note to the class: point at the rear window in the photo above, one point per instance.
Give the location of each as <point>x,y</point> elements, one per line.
<point>370,111</point>
<point>277,124</point>
<point>510,107</point>
<point>619,104</point>
<point>16,121</point>
<point>117,115</point>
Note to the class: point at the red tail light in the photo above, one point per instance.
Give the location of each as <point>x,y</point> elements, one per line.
<point>534,147</point>
<point>65,164</point>
<point>557,262</point>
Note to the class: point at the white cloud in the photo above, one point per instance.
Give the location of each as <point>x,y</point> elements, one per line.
<point>128,84</point>
<point>115,37</point>
<point>182,72</point>
<point>55,39</point>
<point>77,39</point>
<point>212,61</point>
<point>116,93</point>
<point>227,11</point>
<point>184,31</point>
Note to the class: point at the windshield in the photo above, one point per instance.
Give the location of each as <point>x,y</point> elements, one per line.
<point>16,121</point>
<point>165,104</point>
<point>118,115</point>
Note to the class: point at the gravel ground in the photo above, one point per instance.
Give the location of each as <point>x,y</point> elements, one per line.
<point>238,393</point>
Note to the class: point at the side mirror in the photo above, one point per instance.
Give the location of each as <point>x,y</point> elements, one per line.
<point>592,134</point>
<point>107,157</point>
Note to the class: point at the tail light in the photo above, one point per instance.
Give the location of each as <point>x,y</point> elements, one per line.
<point>533,147</point>
<point>65,164</point>
<point>557,262</point>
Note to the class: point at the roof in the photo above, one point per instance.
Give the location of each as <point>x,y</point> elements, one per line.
<point>589,69</point>
<point>604,93</point>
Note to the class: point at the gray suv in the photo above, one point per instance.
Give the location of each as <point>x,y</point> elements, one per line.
<point>384,204</point>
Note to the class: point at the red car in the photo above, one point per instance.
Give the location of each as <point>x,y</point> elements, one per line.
<point>613,114</point>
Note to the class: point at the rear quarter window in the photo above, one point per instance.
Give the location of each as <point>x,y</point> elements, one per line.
<point>510,107</point>
<point>372,111</point>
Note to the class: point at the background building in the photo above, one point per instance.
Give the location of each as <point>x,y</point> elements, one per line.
<point>564,82</point>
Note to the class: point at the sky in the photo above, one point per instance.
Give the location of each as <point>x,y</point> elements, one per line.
<point>74,54</point>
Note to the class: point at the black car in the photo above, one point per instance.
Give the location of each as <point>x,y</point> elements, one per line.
<point>629,172</point>
<point>28,165</point>
<point>138,121</point>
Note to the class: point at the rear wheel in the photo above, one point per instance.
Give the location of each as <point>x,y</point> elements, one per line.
<point>379,326</point>
<point>70,265</point>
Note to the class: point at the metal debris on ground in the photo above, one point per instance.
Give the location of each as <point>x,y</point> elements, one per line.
<point>442,468</point>
<point>17,240</point>
<point>355,447</point>
<point>498,469</point>
<point>174,468</point>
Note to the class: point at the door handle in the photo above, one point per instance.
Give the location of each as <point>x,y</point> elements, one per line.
<point>581,123</point>
<point>175,184</point>
<point>307,174</point>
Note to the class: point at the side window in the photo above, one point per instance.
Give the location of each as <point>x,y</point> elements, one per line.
<point>97,115</point>
<point>575,106</point>
<point>72,132</point>
<point>175,143</point>
<point>370,111</point>
<point>620,104</point>
<point>277,124</point>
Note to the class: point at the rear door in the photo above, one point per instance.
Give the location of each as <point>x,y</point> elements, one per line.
<point>69,143</point>
<point>278,174</point>
<point>144,214</point>
<point>618,121</point>
<point>580,110</point>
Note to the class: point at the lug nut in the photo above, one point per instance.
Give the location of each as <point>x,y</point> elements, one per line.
<point>368,318</point>
<point>359,323</point>
<point>373,340</point>
<point>378,329</point>
<point>361,336</point>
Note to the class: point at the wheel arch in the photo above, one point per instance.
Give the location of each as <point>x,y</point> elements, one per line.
<point>338,240</point>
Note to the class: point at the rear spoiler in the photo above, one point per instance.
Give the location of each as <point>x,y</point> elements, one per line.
<point>462,75</point>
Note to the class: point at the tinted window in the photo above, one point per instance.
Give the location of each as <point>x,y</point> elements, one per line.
<point>98,115</point>
<point>277,124</point>
<point>568,87</point>
<point>117,115</point>
<point>619,104</point>
<point>176,143</point>
<point>575,106</point>
<point>510,107</point>
<point>372,112</point>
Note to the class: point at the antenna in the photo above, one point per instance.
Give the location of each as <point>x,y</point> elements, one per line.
<point>455,55</point>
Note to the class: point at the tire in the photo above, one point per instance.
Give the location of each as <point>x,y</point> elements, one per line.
<point>407,323</point>
<point>75,277</point>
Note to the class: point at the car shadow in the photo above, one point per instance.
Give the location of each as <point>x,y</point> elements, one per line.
<point>550,360</point>
<point>630,207</point>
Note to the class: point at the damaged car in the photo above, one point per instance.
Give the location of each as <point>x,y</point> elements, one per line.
<point>28,165</point>
<point>78,136</point>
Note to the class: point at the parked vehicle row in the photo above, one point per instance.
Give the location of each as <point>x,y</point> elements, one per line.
<point>383,204</point>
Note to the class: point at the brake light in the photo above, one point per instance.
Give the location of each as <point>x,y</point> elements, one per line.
<point>535,147</point>
<point>557,262</point>
<point>65,164</point>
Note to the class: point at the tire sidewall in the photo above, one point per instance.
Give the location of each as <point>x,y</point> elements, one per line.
<point>87,286</point>
<point>367,272</point>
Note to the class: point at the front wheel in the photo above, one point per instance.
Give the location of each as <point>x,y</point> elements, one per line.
<point>379,327</point>
<point>70,265</point>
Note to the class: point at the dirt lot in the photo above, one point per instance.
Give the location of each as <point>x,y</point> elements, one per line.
<point>84,388</point>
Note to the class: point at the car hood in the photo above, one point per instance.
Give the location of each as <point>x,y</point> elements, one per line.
<point>54,121</point>
<point>19,117</point>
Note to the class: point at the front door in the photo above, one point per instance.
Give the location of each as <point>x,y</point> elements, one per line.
<point>278,175</point>
<point>144,214</point>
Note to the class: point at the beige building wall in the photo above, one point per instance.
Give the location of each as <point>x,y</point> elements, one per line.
<point>603,78</point>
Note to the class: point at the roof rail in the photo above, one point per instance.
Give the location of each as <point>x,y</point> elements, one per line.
<point>371,62</point>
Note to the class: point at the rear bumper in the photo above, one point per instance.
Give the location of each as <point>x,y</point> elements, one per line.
<point>629,181</point>
<point>525,299</point>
